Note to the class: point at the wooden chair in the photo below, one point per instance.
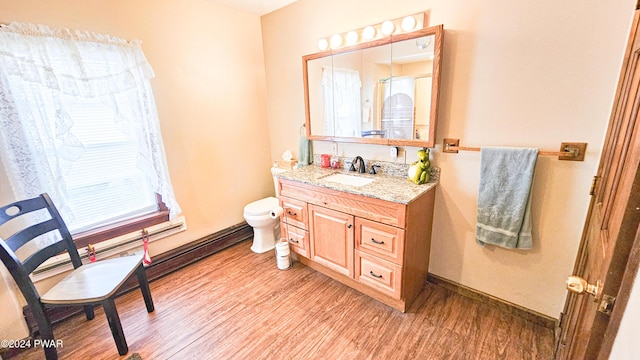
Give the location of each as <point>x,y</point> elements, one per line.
<point>87,285</point>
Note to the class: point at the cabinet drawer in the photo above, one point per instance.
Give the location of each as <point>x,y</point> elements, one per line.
<point>381,240</point>
<point>379,274</point>
<point>298,238</point>
<point>295,212</point>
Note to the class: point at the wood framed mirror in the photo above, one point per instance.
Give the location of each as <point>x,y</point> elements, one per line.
<point>384,91</point>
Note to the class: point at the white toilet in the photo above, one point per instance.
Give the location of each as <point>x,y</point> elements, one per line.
<point>257,214</point>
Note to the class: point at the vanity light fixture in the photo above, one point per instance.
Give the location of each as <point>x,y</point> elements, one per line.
<point>408,23</point>
<point>388,27</point>
<point>351,38</point>
<point>323,44</point>
<point>336,41</point>
<point>373,32</point>
<point>369,33</point>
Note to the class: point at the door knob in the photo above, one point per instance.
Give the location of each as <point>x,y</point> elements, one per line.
<point>579,285</point>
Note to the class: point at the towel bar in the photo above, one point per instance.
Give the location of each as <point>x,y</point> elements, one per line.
<point>571,151</point>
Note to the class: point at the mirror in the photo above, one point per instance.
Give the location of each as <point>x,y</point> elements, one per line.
<point>380,92</point>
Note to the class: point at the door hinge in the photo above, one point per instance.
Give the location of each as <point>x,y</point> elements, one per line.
<point>593,185</point>
<point>606,304</point>
<point>560,320</point>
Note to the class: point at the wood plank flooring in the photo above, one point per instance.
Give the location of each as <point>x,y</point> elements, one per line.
<point>237,305</point>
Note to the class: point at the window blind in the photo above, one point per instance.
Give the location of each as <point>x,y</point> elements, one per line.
<point>104,184</point>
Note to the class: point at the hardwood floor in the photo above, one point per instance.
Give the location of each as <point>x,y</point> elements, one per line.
<point>237,305</point>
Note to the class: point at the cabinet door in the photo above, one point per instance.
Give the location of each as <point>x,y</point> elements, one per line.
<point>332,239</point>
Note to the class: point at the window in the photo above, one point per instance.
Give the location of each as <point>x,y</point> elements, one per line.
<point>104,184</point>
<point>78,121</point>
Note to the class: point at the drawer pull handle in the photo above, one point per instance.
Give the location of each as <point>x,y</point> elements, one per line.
<point>291,213</point>
<point>374,275</point>
<point>377,242</point>
<point>293,241</point>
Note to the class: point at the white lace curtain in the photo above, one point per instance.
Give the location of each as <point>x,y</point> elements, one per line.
<point>43,72</point>
<point>342,106</point>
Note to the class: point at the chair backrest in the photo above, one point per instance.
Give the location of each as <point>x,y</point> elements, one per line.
<point>51,224</point>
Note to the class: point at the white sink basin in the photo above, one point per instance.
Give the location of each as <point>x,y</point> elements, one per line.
<point>348,179</point>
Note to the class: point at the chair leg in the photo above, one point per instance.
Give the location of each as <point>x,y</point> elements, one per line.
<point>88,311</point>
<point>46,331</point>
<point>51,353</point>
<point>110,311</point>
<point>144,287</point>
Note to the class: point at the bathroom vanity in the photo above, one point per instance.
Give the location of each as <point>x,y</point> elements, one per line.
<point>370,232</point>
<point>372,235</point>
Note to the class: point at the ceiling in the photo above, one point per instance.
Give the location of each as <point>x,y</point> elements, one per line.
<point>258,7</point>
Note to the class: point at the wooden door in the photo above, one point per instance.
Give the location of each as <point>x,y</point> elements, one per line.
<point>331,240</point>
<point>587,329</point>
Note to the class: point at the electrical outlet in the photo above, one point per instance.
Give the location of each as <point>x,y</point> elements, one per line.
<point>334,148</point>
<point>393,152</point>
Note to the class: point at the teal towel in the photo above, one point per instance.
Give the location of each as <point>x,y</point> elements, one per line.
<point>504,197</point>
<point>305,153</point>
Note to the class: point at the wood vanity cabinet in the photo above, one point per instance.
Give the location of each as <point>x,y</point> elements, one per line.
<point>378,247</point>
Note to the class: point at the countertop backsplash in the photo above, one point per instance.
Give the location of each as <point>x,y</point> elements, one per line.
<point>385,167</point>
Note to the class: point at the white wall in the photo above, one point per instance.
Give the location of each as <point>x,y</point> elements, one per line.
<point>515,73</point>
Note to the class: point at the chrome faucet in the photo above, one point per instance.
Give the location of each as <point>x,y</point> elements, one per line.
<point>361,167</point>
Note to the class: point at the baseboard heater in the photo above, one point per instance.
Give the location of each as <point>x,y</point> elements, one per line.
<point>119,246</point>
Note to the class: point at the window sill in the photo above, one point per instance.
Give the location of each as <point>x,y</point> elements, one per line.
<point>114,230</point>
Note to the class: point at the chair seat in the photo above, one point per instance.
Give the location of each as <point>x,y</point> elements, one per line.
<point>93,282</point>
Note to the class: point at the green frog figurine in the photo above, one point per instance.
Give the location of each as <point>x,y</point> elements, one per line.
<point>419,170</point>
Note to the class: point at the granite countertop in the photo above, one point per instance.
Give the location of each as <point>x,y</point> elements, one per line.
<point>385,187</point>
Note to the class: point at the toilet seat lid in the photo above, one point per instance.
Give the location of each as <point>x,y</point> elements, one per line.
<point>262,206</point>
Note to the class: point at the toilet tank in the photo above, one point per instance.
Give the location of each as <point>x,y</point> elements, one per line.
<point>274,171</point>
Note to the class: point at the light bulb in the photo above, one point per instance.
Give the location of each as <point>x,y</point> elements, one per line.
<point>336,40</point>
<point>352,37</point>
<point>388,27</point>
<point>408,23</point>
<point>369,33</point>
<point>422,43</point>
<point>323,44</point>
